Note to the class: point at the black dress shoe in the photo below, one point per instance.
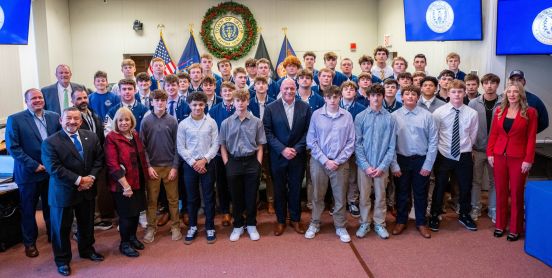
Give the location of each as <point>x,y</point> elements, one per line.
<point>95,257</point>
<point>64,270</point>
<point>127,250</point>
<point>136,244</point>
<point>498,233</point>
<point>512,237</point>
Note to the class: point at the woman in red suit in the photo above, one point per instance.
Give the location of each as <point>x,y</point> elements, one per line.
<point>126,164</point>
<point>510,151</point>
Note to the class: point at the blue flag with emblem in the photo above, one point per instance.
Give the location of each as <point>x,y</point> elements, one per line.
<point>190,55</point>
<point>286,50</point>
<point>442,20</point>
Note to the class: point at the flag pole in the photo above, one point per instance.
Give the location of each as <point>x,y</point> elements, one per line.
<point>191,28</point>
<point>285,38</point>
<point>160,27</point>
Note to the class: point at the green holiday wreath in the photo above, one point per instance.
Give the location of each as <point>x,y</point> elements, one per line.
<point>229,9</point>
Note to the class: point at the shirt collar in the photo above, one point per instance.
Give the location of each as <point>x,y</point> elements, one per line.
<point>286,105</point>
<point>414,111</point>
<point>324,111</point>
<point>370,110</point>
<point>236,116</point>
<point>34,114</point>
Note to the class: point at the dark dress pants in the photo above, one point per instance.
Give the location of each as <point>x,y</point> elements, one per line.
<point>411,181</point>
<point>463,170</point>
<point>29,194</point>
<point>223,192</point>
<point>287,176</point>
<point>61,220</point>
<point>194,181</point>
<point>243,174</point>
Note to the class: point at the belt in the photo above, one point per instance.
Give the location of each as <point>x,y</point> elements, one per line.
<point>242,158</point>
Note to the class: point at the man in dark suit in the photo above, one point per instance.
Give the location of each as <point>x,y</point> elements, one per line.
<point>286,123</point>
<point>73,158</point>
<point>58,95</point>
<point>24,134</point>
<point>91,121</point>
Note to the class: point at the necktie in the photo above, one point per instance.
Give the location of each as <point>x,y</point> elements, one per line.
<point>382,74</point>
<point>65,99</point>
<point>78,145</point>
<point>171,107</point>
<point>228,107</point>
<point>455,146</point>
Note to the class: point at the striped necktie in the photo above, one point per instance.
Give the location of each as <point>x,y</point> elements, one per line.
<point>455,146</point>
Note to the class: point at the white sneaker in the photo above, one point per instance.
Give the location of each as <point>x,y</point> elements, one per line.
<point>492,214</point>
<point>143,220</point>
<point>343,235</point>
<point>363,230</point>
<point>381,231</point>
<point>176,234</point>
<point>149,237</point>
<point>311,231</point>
<point>253,233</point>
<point>236,233</point>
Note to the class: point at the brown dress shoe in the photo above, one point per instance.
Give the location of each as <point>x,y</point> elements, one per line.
<point>226,218</point>
<point>279,229</point>
<point>398,229</point>
<point>185,219</point>
<point>270,208</point>
<point>424,231</point>
<point>163,219</point>
<point>298,227</point>
<point>31,251</point>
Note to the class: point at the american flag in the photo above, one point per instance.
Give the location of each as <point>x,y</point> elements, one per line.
<point>162,52</point>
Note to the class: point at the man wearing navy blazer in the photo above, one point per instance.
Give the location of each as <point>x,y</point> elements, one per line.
<point>58,95</point>
<point>286,122</point>
<point>24,134</point>
<point>73,158</point>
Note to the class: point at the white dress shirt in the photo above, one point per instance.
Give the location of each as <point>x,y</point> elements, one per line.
<point>197,139</point>
<point>289,109</point>
<point>61,96</point>
<point>444,121</point>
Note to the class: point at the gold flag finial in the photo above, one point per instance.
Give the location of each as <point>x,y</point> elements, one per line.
<point>259,29</point>
<point>160,27</point>
<point>191,28</point>
<point>285,31</point>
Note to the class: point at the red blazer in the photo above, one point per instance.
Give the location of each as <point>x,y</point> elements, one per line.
<point>519,142</point>
<point>120,151</point>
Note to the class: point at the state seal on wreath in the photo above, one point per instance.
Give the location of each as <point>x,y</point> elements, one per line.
<point>229,30</point>
<point>542,26</point>
<point>439,16</point>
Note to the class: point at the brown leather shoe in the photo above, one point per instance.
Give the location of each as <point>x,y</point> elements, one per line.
<point>226,218</point>
<point>163,219</point>
<point>279,229</point>
<point>185,219</point>
<point>31,251</point>
<point>298,227</point>
<point>398,229</point>
<point>270,208</point>
<point>424,231</point>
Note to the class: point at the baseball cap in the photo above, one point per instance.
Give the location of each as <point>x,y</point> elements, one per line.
<point>518,73</point>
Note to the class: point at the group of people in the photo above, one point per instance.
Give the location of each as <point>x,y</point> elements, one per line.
<point>205,141</point>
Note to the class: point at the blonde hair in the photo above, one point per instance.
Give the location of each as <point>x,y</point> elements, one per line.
<point>522,100</point>
<point>121,113</point>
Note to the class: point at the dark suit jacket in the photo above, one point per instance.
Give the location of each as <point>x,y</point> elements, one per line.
<point>23,143</point>
<point>64,164</point>
<point>51,96</point>
<point>519,142</point>
<point>278,133</point>
<point>99,127</point>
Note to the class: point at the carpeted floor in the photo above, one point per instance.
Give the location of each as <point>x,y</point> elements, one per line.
<point>451,252</point>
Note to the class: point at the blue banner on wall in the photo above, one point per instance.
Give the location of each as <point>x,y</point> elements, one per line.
<point>524,27</point>
<point>442,20</point>
<point>14,21</point>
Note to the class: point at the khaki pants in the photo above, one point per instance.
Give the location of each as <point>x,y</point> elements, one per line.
<point>365,184</point>
<point>482,173</point>
<point>338,180</point>
<point>171,187</point>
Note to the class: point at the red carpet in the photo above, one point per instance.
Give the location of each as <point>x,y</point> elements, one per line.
<point>452,252</point>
